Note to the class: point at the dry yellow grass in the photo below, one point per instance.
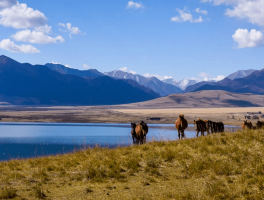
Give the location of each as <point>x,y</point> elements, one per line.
<point>218,166</point>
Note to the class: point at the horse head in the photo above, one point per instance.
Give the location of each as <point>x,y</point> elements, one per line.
<point>133,125</point>
<point>181,116</point>
<point>144,126</point>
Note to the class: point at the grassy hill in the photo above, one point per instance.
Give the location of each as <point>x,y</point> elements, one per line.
<point>219,166</point>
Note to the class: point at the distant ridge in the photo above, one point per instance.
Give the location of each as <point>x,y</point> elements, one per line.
<point>253,83</point>
<point>163,89</point>
<point>66,70</point>
<point>240,74</point>
<point>26,84</point>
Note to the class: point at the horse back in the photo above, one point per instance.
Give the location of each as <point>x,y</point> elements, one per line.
<point>138,129</point>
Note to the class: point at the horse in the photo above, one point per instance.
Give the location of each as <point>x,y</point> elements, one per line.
<point>200,126</point>
<point>260,124</point>
<point>145,128</point>
<point>220,127</point>
<point>208,124</point>
<point>246,124</point>
<point>141,132</point>
<point>133,132</point>
<point>181,124</point>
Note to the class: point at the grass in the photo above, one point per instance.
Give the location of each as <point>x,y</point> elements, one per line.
<point>218,166</point>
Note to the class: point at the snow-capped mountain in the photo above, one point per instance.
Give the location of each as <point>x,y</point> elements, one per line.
<point>181,84</point>
<point>158,86</point>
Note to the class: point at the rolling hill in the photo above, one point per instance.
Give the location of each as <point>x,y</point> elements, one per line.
<point>201,99</point>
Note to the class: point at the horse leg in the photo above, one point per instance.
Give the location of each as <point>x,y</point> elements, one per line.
<point>197,134</point>
<point>179,134</point>
<point>182,133</point>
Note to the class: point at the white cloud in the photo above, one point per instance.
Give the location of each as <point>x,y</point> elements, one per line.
<point>186,16</point>
<point>7,3</point>
<point>198,10</point>
<point>8,45</point>
<point>20,16</point>
<point>227,2</point>
<point>148,75</point>
<point>86,67</point>
<point>134,5</point>
<point>245,38</point>
<point>71,29</point>
<point>36,37</point>
<point>124,69</point>
<point>251,10</point>
<point>207,77</point>
<point>44,29</point>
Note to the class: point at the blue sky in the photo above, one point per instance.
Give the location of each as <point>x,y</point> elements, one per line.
<point>183,39</point>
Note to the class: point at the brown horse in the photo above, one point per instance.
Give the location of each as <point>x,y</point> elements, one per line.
<point>260,124</point>
<point>181,124</point>
<point>200,126</point>
<point>246,125</point>
<point>141,132</point>
<point>208,124</point>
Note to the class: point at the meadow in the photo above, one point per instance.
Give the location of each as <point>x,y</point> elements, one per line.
<point>218,166</point>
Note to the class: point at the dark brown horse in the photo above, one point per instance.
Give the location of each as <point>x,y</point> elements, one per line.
<point>141,132</point>
<point>208,124</point>
<point>200,126</point>
<point>246,125</point>
<point>181,124</point>
<point>260,124</point>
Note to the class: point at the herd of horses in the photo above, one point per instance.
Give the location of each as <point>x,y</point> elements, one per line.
<point>139,131</point>
<point>249,125</point>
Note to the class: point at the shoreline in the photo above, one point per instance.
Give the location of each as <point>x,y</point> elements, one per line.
<point>113,114</point>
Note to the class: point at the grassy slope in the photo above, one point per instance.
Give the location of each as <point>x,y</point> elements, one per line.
<point>219,166</point>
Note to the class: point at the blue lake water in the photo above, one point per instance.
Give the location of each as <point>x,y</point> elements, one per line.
<point>25,140</point>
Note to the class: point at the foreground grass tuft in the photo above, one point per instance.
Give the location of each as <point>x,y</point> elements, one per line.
<point>218,166</point>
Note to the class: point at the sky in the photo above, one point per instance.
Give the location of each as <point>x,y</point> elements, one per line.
<point>193,39</point>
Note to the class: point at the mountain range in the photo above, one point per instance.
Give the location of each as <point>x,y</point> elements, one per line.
<point>183,84</point>
<point>66,70</point>
<point>55,84</point>
<point>240,74</point>
<point>158,86</point>
<point>253,83</point>
<point>37,84</point>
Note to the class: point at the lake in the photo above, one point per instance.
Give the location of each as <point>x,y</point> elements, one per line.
<point>26,140</point>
